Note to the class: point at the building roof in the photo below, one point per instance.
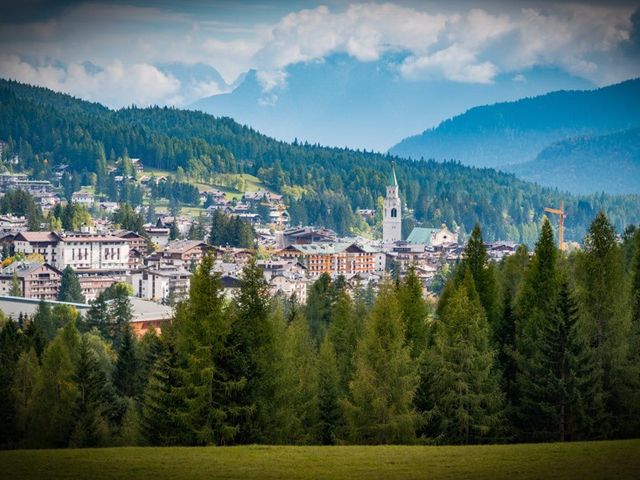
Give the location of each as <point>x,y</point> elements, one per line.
<point>330,248</point>
<point>143,310</point>
<point>181,246</point>
<point>38,237</point>
<point>24,268</point>
<point>422,235</point>
<point>392,179</point>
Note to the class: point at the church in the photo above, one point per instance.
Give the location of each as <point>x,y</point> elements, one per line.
<point>392,214</point>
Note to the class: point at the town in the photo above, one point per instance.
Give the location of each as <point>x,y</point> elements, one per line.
<point>158,259</point>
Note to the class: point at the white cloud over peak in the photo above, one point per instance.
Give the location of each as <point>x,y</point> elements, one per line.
<point>439,41</point>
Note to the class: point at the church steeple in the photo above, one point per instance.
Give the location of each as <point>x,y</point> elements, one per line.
<point>392,215</point>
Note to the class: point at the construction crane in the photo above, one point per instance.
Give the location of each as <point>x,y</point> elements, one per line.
<point>561,217</point>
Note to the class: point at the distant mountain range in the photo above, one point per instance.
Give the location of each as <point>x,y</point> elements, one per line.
<point>344,102</point>
<point>563,139</point>
<point>602,163</point>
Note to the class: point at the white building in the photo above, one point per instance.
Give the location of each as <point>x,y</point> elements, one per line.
<point>94,254</point>
<point>392,214</point>
<point>83,197</point>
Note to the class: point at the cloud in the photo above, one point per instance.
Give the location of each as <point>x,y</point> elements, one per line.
<point>435,41</point>
<point>114,84</point>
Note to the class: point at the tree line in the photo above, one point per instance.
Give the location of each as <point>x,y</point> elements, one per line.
<point>542,346</point>
<point>321,185</point>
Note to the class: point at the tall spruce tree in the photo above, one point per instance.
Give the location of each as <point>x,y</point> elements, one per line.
<point>257,359</point>
<point>15,290</point>
<point>201,332</point>
<point>463,402</point>
<point>94,399</point>
<point>536,307</point>
<point>504,333</point>
<point>345,331</point>
<point>22,387</point>
<point>415,312</point>
<point>163,400</point>
<point>330,419</point>
<point>11,346</point>
<point>70,290</point>
<point>320,300</point>
<point>601,290</point>
<point>379,409</point>
<point>302,371</point>
<point>127,375</point>
<point>55,393</point>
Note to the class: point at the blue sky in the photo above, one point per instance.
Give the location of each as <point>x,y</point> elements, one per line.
<point>110,51</point>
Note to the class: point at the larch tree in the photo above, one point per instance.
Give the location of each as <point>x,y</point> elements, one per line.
<point>330,418</point>
<point>379,408</point>
<point>415,312</point>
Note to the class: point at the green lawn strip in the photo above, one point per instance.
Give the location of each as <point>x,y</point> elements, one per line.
<point>591,460</point>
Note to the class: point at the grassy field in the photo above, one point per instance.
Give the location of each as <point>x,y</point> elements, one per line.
<point>593,460</point>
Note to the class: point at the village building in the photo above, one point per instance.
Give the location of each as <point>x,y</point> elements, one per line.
<point>333,258</point>
<point>36,280</point>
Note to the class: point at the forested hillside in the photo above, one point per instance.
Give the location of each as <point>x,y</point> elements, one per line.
<point>322,185</point>
<point>515,132</point>
<point>605,163</point>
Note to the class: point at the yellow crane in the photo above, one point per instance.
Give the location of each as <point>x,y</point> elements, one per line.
<point>561,217</point>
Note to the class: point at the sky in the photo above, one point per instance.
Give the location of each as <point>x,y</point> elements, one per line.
<point>113,52</point>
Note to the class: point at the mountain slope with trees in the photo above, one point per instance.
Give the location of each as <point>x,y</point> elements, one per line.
<point>321,185</point>
<point>515,132</point>
<point>603,163</point>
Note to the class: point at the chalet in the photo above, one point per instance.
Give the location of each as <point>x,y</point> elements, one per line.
<point>185,251</point>
<point>44,243</point>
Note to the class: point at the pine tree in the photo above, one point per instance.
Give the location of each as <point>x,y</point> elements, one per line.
<point>201,333</point>
<point>127,373</point>
<point>120,312</point>
<point>163,401</point>
<point>379,409</point>
<point>504,334</point>
<point>70,290</point>
<point>94,398</point>
<point>320,299</point>
<point>415,312</point>
<point>329,411</point>
<point>98,316</point>
<point>302,372</point>
<point>11,346</point>
<point>55,393</point>
<point>23,384</point>
<point>476,261</point>
<point>601,282</point>
<point>345,332</point>
<point>464,403</point>
<point>536,307</point>
<point>256,355</point>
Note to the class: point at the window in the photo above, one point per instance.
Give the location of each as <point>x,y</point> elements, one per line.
<point>394,213</point>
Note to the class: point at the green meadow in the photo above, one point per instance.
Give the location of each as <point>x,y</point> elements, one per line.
<point>583,460</point>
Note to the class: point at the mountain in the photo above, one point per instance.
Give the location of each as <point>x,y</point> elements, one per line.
<point>516,132</point>
<point>196,80</point>
<point>344,102</point>
<point>321,185</point>
<point>602,163</point>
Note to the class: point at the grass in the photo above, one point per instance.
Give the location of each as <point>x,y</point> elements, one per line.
<point>589,460</point>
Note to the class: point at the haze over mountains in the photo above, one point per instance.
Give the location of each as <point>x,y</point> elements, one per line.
<point>341,101</point>
<point>573,140</point>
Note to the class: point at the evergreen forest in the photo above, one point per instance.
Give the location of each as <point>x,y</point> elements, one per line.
<point>542,346</point>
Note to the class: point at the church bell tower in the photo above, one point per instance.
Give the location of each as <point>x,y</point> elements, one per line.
<point>392,215</point>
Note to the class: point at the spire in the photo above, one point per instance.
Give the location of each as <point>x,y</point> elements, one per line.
<point>392,179</point>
